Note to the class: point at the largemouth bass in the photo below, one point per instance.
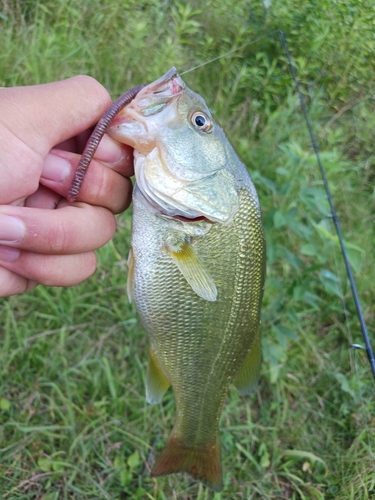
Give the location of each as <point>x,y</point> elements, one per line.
<point>196,266</point>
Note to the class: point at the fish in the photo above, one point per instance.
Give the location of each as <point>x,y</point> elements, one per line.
<point>196,267</point>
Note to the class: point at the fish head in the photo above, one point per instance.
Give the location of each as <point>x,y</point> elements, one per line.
<point>183,160</point>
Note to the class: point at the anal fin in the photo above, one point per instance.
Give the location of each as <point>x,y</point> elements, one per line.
<point>247,378</point>
<point>194,271</point>
<point>156,382</point>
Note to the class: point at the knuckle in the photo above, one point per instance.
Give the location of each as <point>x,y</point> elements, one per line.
<point>107,224</point>
<point>61,235</point>
<point>31,185</point>
<point>90,86</point>
<point>100,189</point>
<point>110,189</point>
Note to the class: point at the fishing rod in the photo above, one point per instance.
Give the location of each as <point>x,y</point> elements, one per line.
<point>349,272</point>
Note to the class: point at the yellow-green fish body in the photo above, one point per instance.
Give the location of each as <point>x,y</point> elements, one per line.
<point>196,268</point>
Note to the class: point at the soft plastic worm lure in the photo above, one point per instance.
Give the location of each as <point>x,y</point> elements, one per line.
<point>96,137</point>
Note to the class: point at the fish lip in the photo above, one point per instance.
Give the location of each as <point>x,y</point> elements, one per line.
<point>169,75</point>
<point>170,84</point>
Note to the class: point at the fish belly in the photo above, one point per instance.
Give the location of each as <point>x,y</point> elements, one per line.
<point>199,345</point>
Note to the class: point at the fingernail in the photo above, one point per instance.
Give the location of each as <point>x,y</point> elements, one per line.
<point>9,254</point>
<point>12,229</point>
<point>55,168</point>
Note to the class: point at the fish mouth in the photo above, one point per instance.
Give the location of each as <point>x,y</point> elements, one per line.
<point>200,218</point>
<point>168,85</point>
<point>132,121</point>
<point>156,95</point>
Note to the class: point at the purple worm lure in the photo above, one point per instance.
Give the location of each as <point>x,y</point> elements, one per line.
<point>96,137</point>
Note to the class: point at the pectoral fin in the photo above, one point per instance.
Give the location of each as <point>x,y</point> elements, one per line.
<point>156,382</point>
<point>129,283</point>
<point>246,380</point>
<point>194,271</point>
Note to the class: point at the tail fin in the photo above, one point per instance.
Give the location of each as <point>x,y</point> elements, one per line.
<point>203,464</point>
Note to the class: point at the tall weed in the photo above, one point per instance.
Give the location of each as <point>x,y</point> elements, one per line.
<point>73,419</point>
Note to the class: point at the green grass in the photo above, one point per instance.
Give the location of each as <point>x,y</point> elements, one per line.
<point>74,423</point>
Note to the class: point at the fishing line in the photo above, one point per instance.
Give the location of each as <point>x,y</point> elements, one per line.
<point>269,35</point>
<point>349,273</point>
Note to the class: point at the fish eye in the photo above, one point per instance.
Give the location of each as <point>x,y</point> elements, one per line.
<point>201,121</point>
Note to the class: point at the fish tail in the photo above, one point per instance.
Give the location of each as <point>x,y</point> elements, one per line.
<point>203,464</point>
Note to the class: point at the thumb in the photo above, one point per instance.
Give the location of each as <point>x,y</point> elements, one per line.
<point>45,115</point>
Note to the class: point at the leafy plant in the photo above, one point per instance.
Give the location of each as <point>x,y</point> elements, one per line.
<point>73,418</point>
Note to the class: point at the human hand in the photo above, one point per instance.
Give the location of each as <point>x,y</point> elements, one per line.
<point>43,238</point>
